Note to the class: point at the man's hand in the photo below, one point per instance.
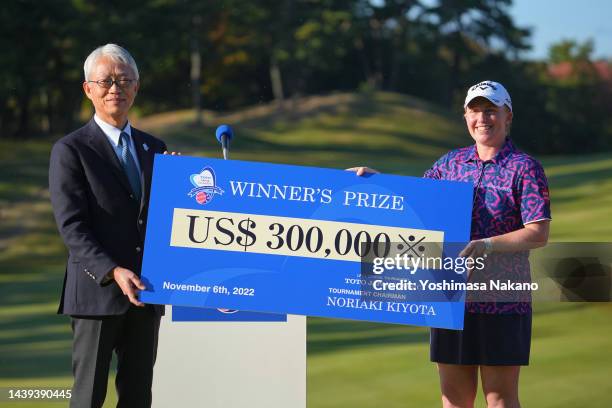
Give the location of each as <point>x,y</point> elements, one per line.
<point>129,283</point>
<point>173,153</point>
<point>363,170</point>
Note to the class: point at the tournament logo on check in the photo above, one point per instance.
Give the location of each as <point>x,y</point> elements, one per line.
<point>205,186</point>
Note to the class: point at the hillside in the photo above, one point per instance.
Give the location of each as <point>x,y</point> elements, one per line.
<point>385,130</point>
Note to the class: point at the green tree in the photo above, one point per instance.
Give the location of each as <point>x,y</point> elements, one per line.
<point>578,98</point>
<point>570,50</point>
<point>467,30</point>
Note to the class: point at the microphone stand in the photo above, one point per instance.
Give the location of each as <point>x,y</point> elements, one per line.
<point>225,147</point>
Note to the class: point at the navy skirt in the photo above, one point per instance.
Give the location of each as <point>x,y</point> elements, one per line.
<point>486,339</point>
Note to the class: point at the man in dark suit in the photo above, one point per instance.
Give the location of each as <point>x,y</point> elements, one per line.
<point>99,180</point>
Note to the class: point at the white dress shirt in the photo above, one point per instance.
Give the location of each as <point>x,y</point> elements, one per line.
<point>112,133</point>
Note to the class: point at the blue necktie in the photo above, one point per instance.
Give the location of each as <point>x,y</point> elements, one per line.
<point>129,166</point>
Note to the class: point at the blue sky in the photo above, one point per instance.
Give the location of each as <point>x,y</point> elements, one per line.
<point>553,20</point>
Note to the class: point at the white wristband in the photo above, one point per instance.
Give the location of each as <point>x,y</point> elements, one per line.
<point>488,246</point>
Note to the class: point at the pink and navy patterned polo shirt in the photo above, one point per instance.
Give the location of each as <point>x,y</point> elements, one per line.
<point>509,191</point>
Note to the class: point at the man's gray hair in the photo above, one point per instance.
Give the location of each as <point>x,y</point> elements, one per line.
<point>112,51</point>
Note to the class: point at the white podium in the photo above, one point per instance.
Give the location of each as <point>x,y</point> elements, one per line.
<point>224,364</point>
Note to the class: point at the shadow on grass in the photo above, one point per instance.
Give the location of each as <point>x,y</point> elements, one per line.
<point>33,292</point>
<point>573,180</point>
<point>35,345</point>
<point>329,335</point>
<point>37,363</point>
<point>34,340</point>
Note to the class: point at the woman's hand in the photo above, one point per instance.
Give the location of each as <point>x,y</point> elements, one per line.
<point>363,170</point>
<point>475,249</point>
<point>173,153</point>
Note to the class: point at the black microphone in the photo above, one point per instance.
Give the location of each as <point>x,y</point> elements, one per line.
<point>224,134</point>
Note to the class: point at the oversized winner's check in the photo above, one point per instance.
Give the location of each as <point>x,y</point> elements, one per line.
<point>289,239</point>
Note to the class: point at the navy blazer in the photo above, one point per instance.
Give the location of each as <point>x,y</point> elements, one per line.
<point>100,221</point>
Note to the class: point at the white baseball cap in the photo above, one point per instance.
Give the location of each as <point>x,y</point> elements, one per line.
<point>493,91</point>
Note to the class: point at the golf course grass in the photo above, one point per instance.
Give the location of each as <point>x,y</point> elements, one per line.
<point>350,364</point>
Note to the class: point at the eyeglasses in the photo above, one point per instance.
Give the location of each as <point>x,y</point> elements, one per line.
<point>108,83</point>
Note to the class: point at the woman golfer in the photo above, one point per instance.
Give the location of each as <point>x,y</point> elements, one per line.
<point>510,216</point>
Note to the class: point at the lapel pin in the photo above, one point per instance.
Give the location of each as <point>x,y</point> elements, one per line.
<point>145,146</point>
